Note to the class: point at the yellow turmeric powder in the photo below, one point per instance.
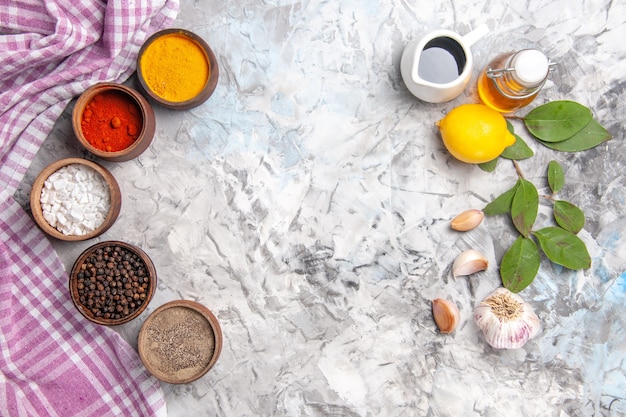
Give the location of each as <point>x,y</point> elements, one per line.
<point>175,67</point>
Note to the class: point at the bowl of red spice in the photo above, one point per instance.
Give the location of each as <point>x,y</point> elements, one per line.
<point>113,121</point>
<point>75,199</point>
<point>112,282</point>
<point>180,341</point>
<point>177,69</point>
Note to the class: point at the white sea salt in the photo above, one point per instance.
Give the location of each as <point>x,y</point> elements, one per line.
<point>75,200</point>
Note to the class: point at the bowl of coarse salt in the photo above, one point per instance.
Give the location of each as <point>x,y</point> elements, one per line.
<point>75,199</point>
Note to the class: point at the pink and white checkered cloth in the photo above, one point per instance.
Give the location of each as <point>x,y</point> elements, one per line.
<point>52,361</point>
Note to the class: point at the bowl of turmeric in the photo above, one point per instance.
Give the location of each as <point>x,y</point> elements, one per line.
<point>177,69</point>
<point>113,121</point>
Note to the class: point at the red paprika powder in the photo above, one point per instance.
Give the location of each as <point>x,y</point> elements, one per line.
<point>111,121</point>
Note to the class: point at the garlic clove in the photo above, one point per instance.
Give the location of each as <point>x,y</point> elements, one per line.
<point>506,320</point>
<point>468,220</point>
<point>446,315</point>
<point>469,262</point>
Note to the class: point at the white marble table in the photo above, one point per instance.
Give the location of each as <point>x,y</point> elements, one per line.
<point>307,205</point>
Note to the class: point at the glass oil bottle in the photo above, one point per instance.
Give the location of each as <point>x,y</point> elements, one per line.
<point>513,80</point>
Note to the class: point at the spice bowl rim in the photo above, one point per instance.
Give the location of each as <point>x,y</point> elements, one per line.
<point>148,126</point>
<point>210,84</point>
<point>37,211</point>
<point>208,316</point>
<point>73,277</point>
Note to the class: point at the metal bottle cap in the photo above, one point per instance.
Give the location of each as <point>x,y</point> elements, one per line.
<point>530,67</point>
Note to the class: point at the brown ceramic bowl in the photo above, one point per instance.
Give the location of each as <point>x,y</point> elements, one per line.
<point>167,91</point>
<point>142,133</point>
<point>180,341</point>
<point>37,210</point>
<point>104,297</point>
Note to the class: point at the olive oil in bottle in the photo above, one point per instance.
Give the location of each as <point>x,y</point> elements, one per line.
<point>513,80</point>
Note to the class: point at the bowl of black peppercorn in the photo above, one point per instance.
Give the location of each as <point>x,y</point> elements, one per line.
<point>112,282</point>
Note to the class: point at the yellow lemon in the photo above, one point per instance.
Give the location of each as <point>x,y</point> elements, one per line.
<point>475,133</point>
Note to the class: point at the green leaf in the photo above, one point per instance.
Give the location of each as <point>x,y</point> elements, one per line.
<point>520,264</point>
<point>502,203</point>
<point>568,216</point>
<point>518,151</point>
<point>489,166</point>
<point>557,120</point>
<point>590,136</point>
<point>524,207</point>
<point>556,178</point>
<point>563,248</point>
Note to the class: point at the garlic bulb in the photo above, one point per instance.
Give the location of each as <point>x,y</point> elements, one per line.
<point>446,315</point>
<point>507,321</point>
<point>468,220</point>
<point>469,262</point>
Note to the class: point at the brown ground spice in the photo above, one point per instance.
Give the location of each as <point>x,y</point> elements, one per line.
<point>180,342</point>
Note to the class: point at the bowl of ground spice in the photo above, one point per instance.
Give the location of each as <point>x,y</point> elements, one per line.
<point>75,199</point>
<point>177,69</point>
<point>112,282</point>
<point>180,341</point>
<point>113,122</point>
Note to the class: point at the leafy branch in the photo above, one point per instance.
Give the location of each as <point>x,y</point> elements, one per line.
<point>560,125</point>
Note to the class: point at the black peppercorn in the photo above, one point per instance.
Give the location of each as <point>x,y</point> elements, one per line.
<point>107,282</point>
